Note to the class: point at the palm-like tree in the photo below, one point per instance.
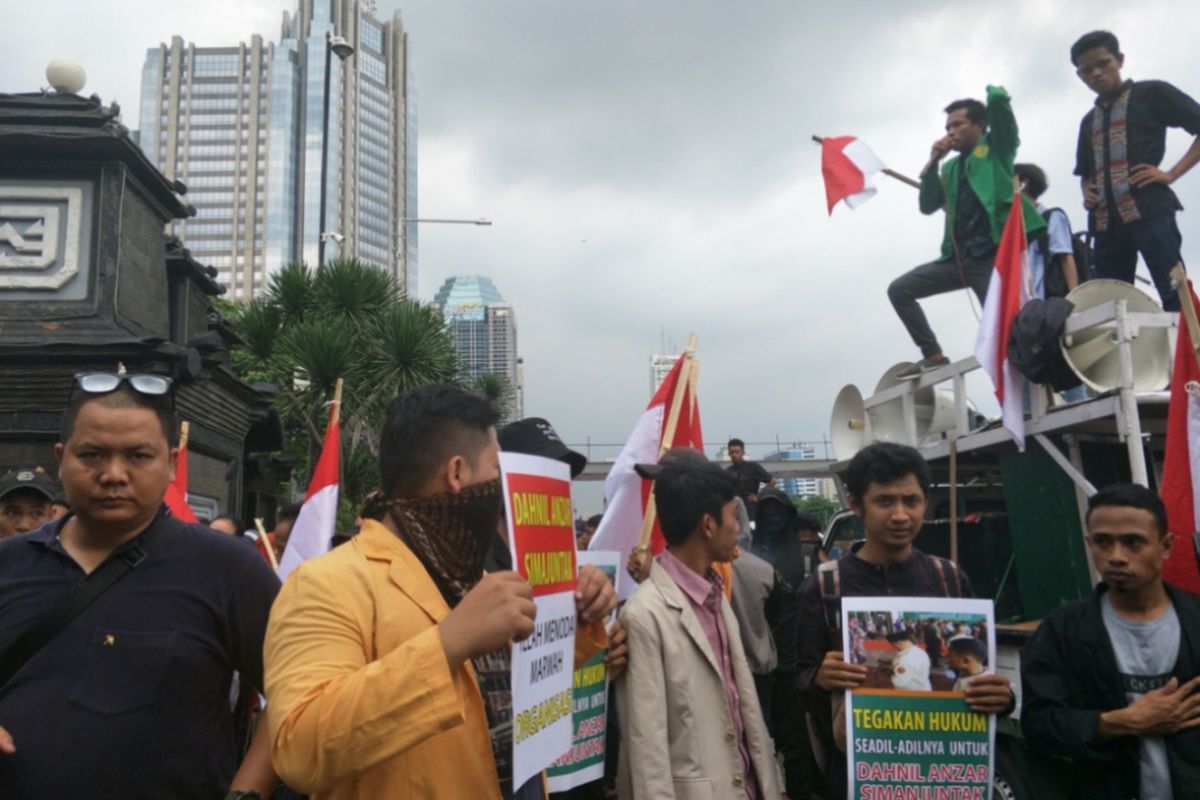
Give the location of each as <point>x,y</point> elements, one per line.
<point>346,320</point>
<point>497,389</point>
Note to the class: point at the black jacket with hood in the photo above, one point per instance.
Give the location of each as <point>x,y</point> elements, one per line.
<point>780,546</point>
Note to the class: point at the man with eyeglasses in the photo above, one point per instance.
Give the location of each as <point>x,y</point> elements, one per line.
<point>1110,683</point>
<point>127,695</point>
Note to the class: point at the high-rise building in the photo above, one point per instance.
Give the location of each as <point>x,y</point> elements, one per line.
<point>241,127</point>
<point>799,487</point>
<point>484,329</point>
<point>660,368</point>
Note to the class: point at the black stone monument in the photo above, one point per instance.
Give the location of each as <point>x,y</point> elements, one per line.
<point>89,280</point>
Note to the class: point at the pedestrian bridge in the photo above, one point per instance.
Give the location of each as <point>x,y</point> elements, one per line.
<point>808,468</point>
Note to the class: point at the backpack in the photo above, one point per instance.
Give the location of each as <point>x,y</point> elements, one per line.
<point>810,558</point>
<point>1033,343</point>
<point>1081,249</point>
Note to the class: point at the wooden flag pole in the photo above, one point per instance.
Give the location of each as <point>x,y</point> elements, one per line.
<point>335,415</point>
<point>267,546</point>
<point>1189,309</point>
<point>682,384</point>
<point>183,434</point>
<point>694,378</point>
<point>891,173</point>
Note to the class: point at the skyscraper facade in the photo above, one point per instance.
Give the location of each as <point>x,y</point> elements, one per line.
<point>660,367</point>
<point>798,487</point>
<point>241,127</point>
<point>484,329</point>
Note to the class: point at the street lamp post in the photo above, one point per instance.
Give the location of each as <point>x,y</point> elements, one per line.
<point>334,45</point>
<point>402,250</point>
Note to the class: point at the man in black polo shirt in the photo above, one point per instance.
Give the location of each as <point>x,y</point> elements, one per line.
<point>887,486</point>
<point>750,475</point>
<point>1121,145</point>
<point>131,698</point>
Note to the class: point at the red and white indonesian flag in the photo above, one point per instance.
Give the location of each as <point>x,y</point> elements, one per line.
<point>1007,292</point>
<point>176,496</point>
<point>312,533</point>
<point>1181,467</point>
<point>625,492</point>
<point>847,165</point>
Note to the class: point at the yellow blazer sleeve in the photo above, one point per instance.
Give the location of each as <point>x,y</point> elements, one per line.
<point>333,713</point>
<point>589,640</point>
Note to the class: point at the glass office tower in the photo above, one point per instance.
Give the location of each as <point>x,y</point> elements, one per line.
<point>484,329</point>
<point>241,127</point>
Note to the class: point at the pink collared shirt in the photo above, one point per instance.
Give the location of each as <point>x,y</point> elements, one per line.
<point>704,594</point>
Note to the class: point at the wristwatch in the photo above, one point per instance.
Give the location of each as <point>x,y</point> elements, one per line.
<point>239,794</point>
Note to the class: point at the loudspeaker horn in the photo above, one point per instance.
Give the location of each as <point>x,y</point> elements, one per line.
<point>848,423</point>
<point>1093,354</point>
<point>932,408</point>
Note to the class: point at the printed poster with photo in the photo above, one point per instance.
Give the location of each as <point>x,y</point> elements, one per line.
<point>909,725</point>
<point>541,536</point>
<point>584,762</point>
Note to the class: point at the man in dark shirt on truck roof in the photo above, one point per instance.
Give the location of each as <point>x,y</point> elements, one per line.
<point>750,475</point>
<point>1122,141</point>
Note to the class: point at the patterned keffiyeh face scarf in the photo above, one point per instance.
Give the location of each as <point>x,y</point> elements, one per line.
<point>450,533</point>
<point>1116,165</point>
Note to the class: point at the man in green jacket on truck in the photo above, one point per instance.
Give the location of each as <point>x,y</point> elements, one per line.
<point>976,190</point>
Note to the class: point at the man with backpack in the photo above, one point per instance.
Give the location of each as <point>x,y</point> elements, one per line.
<point>1058,260</point>
<point>887,485</point>
<point>1053,264</point>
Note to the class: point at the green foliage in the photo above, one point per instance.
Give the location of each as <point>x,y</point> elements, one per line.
<point>495,388</point>
<point>348,320</point>
<point>819,507</point>
<point>411,346</point>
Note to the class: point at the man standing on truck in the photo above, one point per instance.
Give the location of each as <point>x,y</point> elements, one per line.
<point>975,189</point>
<point>751,476</point>
<point>1122,141</point>
<point>1110,682</point>
<point>887,485</point>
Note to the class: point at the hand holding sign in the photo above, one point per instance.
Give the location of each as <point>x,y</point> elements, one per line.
<point>595,597</point>
<point>989,694</point>
<point>499,610</point>
<point>836,672</point>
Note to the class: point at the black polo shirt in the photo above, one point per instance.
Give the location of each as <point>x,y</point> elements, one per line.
<point>750,476</point>
<point>131,700</point>
<point>1153,107</point>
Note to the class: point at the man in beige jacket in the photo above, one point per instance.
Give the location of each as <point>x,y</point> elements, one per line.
<point>691,724</point>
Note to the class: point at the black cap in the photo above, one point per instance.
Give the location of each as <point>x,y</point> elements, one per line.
<point>682,456</point>
<point>30,479</point>
<point>535,436</point>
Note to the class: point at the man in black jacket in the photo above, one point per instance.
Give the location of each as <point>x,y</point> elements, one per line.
<point>1110,682</point>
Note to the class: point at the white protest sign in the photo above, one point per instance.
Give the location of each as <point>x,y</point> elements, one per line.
<point>541,536</point>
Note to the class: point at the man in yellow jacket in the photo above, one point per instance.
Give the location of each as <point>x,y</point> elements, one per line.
<point>386,659</point>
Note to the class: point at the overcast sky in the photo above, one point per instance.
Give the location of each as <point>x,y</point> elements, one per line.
<point>648,167</point>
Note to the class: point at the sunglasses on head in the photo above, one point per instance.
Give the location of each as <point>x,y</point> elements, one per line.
<point>104,382</point>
